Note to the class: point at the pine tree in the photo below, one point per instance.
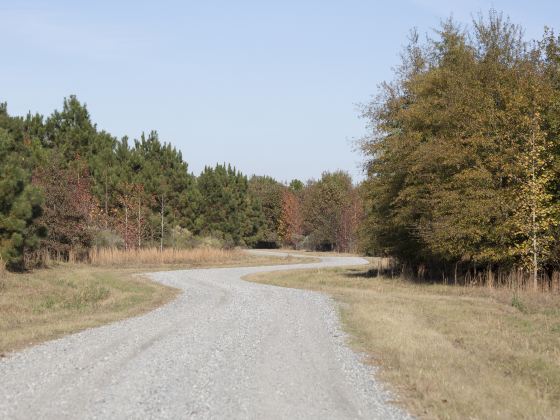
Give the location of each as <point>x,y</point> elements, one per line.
<point>20,203</point>
<point>227,209</point>
<point>268,192</point>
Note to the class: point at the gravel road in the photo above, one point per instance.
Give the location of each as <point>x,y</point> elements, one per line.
<point>225,348</point>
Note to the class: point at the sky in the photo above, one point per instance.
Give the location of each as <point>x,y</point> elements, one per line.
<point>273,87</point>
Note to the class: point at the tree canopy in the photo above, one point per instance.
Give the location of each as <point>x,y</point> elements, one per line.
<point>67,187</point>
<point>462,159</point>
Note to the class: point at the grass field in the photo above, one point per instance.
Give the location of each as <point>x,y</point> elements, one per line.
<point>48,303</point>
<point>449,352</point>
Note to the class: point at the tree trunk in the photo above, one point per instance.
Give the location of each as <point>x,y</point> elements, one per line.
<point>161,239</point>
<point>106,203</point>
<point>534,217</point>
<point>455,273</point>
<point>535,261</point>
<point>139,232</point>
<point>126,227</point>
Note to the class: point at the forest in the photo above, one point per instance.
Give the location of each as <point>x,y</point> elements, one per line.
<point>67,188</point>
<point>462,164</point>
<point>463,157</point>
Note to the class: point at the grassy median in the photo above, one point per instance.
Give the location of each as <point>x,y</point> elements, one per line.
<point>49,303</point>
<point>449,352</point>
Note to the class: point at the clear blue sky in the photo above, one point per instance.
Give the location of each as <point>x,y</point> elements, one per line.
<point>269,86</point>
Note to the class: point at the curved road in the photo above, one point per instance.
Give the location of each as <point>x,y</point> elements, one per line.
<point>225,348</point>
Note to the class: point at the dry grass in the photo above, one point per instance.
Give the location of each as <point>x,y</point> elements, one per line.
<point>187,258</point>
<point>3,274</point>
<point>48,303</point>
<point>151,256</point>
<point>450,352</point>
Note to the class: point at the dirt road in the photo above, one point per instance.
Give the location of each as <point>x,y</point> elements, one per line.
<point>225,348</point>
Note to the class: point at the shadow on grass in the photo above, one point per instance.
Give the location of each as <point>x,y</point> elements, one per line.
<point>374,273</point>
<point>363,274</point>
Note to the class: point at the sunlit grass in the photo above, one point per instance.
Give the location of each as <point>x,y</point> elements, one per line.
<point>48,303</point>
<point>143,256</point>
<point>449,352</point>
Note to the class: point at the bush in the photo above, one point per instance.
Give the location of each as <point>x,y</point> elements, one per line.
<point>182,238</point>
<point>107,239</point>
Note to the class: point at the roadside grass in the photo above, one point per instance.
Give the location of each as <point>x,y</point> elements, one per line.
<point>449,352</point>
<point>49,303</point>
<point>46,304</point>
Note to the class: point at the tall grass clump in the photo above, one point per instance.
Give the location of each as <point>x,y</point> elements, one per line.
<point>152,256</point>
<point>469,275</point>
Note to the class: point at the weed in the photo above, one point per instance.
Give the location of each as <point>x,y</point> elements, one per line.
<point>88,296</point>
<point>518,304</point>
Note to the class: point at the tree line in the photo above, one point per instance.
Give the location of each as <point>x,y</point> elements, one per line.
<point>66,187</point>
<point>463,155</point>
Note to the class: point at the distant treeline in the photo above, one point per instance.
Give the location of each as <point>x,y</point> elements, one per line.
<point>66,187</point>
<point>464,156</point>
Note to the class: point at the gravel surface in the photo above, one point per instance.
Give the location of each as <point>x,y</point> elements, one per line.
<point>225,348</point>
